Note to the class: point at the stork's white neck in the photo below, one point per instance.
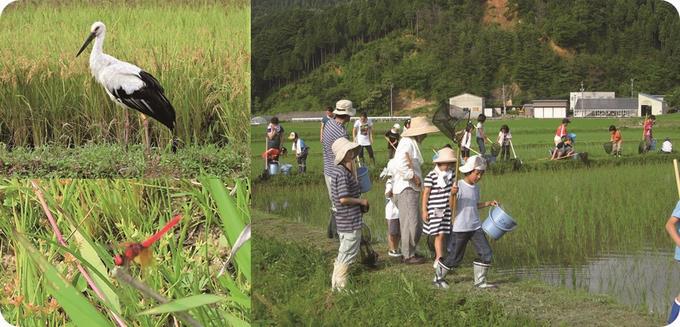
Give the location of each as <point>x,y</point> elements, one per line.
<point>98,47</point>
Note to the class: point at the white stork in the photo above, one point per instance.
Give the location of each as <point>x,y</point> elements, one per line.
<point>128,85</point>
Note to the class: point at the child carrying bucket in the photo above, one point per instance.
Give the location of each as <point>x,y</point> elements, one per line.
<point>392,218</point>
<point>435,207</point>
<point>467,226</point>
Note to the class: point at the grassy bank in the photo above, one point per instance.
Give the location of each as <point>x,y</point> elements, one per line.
<point>42,285</point>
<point>114,161</point>
<point>292,286</point>
<point>200,52</point>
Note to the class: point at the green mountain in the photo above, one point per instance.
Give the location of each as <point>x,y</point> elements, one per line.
<point>309,54</point>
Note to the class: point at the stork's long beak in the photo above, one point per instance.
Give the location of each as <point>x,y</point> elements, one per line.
<point>87,42</point>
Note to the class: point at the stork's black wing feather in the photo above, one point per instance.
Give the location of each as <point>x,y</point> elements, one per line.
<point>149,100</point>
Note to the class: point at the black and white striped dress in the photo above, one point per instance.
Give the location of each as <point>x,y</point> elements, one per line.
<point>437,202</point>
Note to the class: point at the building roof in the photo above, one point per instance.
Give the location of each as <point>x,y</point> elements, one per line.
<point>655,97</point>
<point>549,103</point>
<point>607,104</point>
<point>465,95</point>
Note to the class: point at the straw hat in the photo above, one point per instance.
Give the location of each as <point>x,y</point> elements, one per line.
<point>420,126</point>
<point>340,148</point>
<point>445,155</point>
<point>344,107</point>
<point>292,136</point>
<point>474,162</point>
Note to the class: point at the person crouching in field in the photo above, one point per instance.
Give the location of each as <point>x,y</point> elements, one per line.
<point>667,146</point>
<point>673,229</point>
<point>467,226</point>
<point>563,149</point>
<point>435,207</point>
<point>301,151</point>
<point>350,208</point>
<point>615,138</point>
<point>392,217</point>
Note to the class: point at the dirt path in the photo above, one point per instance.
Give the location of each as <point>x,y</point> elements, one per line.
<point>547,304</point>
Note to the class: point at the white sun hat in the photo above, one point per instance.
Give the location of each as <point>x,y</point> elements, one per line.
<point>445,155</point>
<point>340,148</point>
<point>420,126</point>
<point>344,107</point>
<point>474,162</point>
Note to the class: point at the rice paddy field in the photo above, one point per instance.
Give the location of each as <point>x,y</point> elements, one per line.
<point>596,226</point>
<point>55,232</point>
<point>199,51</point>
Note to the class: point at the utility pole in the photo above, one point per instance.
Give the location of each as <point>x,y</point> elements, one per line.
<point>582,99</point>
<point>391,102</point>
<point>631,87</point>
<point>504,109</point>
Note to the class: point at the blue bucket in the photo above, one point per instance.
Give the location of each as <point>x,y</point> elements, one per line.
<point>273,168</point>
<point>285,169</point>
<point>363,179</point>
<point>498,223</point>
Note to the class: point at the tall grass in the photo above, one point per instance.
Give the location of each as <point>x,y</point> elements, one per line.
<point>199,51</point>
<point>96,216</point>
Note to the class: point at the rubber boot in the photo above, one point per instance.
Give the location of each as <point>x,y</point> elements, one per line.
<point>480,271</point>
<point>673,318</point>
<point>440,271</point>
<point>339,278</point>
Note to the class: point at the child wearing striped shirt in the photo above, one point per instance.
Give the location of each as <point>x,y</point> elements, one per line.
<point>435,208</point>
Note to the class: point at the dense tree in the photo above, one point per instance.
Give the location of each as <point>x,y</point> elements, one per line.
<point>308,53</point>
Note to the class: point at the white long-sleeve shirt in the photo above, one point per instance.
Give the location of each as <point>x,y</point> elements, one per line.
<point>467,140</point>
<point>399,167</point>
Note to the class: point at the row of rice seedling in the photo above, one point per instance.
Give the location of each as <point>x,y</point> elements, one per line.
<point>564,216</point>
<point>41,282</point>
<point>200,52</point>
<point>532,139</point>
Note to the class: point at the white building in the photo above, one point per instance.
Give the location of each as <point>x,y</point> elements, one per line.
<point>467,100</point>
<point>617,107</point>
<point>651,105</point>
<point>546,109</point>
<point>575,96</point>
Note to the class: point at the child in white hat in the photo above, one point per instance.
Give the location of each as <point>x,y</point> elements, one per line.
<point>467,226</point>
<point>435,206</point>
<point>345,194</point>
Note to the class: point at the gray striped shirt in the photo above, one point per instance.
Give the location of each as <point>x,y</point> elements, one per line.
<point>345,185</point>
<point>331,132</point>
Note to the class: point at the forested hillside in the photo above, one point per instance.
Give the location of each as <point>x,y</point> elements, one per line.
<point>309,53</point>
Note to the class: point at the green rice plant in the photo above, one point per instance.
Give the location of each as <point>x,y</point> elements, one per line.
<point>199,51</point>
<point>96,218</point>
<point>532,138</point>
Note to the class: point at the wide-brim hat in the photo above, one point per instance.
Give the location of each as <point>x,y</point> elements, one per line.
<point>445,155</point>
<point>344,107</point>
<point>474,162</point>
<point>340,148</point>
<point>420,126</point>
